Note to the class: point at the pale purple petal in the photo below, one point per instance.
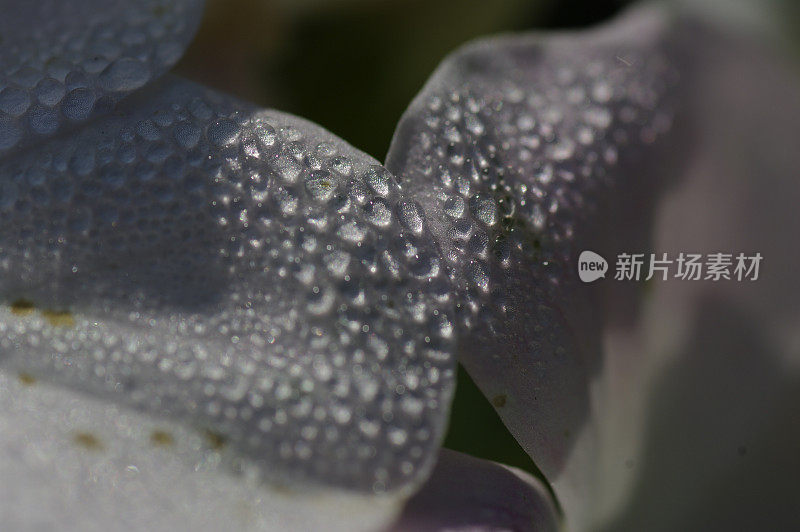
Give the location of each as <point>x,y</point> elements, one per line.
<point>63,62</point>
<point>523,151</point>
<point>470,494</point>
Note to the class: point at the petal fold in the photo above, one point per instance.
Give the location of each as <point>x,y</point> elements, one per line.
<point>64,62</point>
<point>466,493</point>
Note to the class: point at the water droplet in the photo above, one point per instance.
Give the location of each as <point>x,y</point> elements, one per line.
<point>478,274</point>
<point>14,101</point>
<point>484,208</point>
<point>410,216</point>
<point>341,165</point>
<point>454,206</point>
<point>288,168</point>
<point>78,104</point>
<point>352,231</point>
<point>602,92</point>
<point>82,161</point>
<point>43,121</point>
<point>125,74</point>
<point>598,117</point>
<point>49,91</point>
<point>223,132</point>
<point>187,135</point>
<point>378,212</point>
<point>474,125</point>
<point>561,150</point>
<point>320,185</point>
<point>266,135</point>
<point>378,179</point>
<point>543,174</point>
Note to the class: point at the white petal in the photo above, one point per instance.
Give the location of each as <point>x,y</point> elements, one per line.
<point>75,463</point>
<point>202,259</point>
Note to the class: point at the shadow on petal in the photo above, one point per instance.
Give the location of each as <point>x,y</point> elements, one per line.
<point>466,493</point>
<point>722,433</point>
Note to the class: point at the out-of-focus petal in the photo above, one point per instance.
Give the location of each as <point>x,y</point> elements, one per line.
<point>523,151</point>
<point>63,62</point>
<point>75,463</point>
<point>240,269</point>
<point>466,493</point>
<point>706,413</point>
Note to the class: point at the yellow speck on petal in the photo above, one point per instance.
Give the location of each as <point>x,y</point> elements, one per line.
<point>27,379</point>
<point>214,439</point>
<point>283,489</point>
<point>59,318</point>
<point>87,440</point>
<point>161,438</point>
<point>499,401</point>
<point>22,307</point>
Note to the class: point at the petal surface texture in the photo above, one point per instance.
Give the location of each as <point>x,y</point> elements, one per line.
<point>242,270</point>
<point>522,150</point>
<point>77,463</point>
<point>66,61</point>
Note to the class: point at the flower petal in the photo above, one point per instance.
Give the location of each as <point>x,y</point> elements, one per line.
<point>241,269</point>
<point>66,61</point>
<point>515,149</point>
<point>466,493</point>
<point>76,463</point>
<point>706,431</point>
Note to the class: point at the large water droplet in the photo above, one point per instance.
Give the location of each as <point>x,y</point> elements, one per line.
<point>187,135</point>
<point>49,91</point>
<point>410,216</point>
<point>484,208</point>
<point>378,212</point>
<point>378,179</point>
<point>78,104</point>
<point>320,185</point>
<point>223,132</point>
<point>43,120</point>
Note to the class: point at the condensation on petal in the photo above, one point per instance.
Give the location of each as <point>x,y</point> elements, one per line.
<point>65,61</point>
<point>79,463</point>
<point>522,151</point>
<point>202,259</point>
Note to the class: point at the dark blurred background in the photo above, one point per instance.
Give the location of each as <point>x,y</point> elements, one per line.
<point>353,66</point>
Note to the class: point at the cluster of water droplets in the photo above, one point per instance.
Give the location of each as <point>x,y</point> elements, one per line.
<point>250,273</point>
<point>243,269</point>
<point>64,62</point>
<point>523,152</point>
